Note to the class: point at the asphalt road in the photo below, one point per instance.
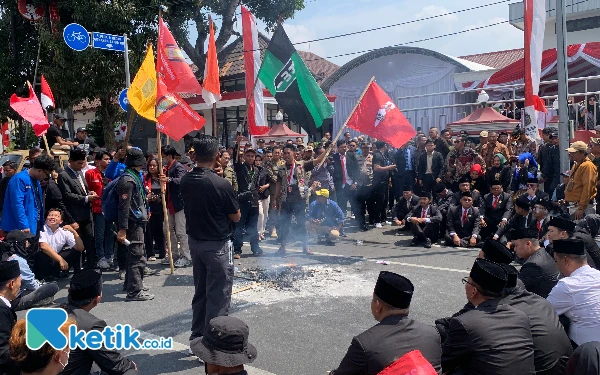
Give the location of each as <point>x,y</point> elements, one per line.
<point>303,322</point>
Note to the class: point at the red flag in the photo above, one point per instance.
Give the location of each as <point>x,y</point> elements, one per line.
<point>175,117</point>
<point>5,134</point>
<point>211,86</point>
<point>377,116</point>
<point>177,74</point>
<point>31,110</point>
<point>47,97</point>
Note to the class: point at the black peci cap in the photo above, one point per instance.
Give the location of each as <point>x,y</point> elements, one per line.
<point>86,284</point>
<point>562,224</point>
<point>512,275</point>
<point>523,233</point>
<point>9,270</point>
<point>490,276</point>
<point>523,202</point>
<point>393,289</point>
<point>497,252</point>
<point>570,246</point>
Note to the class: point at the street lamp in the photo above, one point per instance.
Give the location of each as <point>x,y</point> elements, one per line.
<point>483,97</point>
<point>555,104</point>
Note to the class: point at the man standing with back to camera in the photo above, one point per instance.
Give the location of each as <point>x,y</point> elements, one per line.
<point>208,225</point>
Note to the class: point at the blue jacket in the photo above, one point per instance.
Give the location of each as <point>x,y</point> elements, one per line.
<point>330,211</point>
<point>19,204</point>
<point>114,169</point>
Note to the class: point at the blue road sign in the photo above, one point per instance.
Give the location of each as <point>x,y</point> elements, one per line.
<point>108,41</point>
<point>76,36</point>
<point>123,101</point>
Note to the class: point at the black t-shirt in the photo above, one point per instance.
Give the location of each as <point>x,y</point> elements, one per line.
<point>51,136</point>
<point>380,177</point>
<point>208,200</point>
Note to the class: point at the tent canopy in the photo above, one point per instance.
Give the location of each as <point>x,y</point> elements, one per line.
<point>483,119</point>
<point>281,131</point>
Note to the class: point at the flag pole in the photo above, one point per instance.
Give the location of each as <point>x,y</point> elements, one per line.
<point>339,133</point>
<point>160,168</point>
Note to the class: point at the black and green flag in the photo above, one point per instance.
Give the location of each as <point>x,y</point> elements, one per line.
<point>290,82</point>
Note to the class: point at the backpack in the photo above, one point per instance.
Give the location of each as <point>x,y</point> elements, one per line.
<point>110,200</point>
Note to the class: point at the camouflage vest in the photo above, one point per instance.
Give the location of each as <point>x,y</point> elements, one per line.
<point>299,189</point>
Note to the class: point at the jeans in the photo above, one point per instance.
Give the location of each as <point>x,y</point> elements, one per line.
<point>136,259</point>
<point>104,237</point>
<point>154,236</point>
<point>248,221</point>
<point>178,234</point>
<point>263,214</point>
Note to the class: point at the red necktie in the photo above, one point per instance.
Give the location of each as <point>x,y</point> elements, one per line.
<point>423,213</point>
<point>464,217</point>
<point>495,203</point>
<point>343,169</point>
<point>539,226</point>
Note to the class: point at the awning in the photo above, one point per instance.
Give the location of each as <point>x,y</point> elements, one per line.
<point>483,119</point>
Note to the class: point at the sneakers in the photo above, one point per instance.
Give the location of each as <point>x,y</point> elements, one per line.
<point>165,261</point>
<point>141,296</point>
<point>378,225</point>
<point>274,233</point>
<point>148,272</point>
<point>181,263</point>
<point>103,264</point>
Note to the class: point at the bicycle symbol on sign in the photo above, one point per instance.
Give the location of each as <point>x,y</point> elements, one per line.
<point>76,36</point>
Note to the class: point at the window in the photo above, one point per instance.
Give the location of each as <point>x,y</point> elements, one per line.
<point>233,85</point>
<point>583,24</point>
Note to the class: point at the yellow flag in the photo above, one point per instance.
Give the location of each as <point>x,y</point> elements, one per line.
<point>142,93</point>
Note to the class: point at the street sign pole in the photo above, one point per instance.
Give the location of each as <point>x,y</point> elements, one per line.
<point>127,75</point>
<point>563,75</point>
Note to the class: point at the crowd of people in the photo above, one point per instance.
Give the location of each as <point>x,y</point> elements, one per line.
<point>503,193</point>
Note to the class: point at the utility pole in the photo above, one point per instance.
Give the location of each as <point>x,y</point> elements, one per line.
<point>563,76</point>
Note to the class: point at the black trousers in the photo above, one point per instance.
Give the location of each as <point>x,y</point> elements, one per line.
<point>464,241</point>
<point>428,184</point>
<point>490,229</point>
<point>154,237</point>
<point>86,232</point>
<point>136,259</point>
<point>298,210</point>
<point>379,196</point>
<point>345,195</point>
<point>363,197</point>
<point>402,179</point>
<point>45,267</point>
<point>212,266</point>
<point>248,221</point>
<point>425,231</point>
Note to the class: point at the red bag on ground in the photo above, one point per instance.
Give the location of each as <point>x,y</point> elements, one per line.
<point>412,363</point>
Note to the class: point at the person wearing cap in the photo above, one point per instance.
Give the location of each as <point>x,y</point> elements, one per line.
<point>345,176</point>
<point>503,138</point>
<point>54,135</point>
<point>430,167</point>
<point>187,163</point>
<point>541,217</point>
<point>581,189</point>
<point>260,146</point>
<point>483,140</point>
<point>496,209</point>
<point>522,218</point>
<point>424,221</point>
<point>403,207</point>
<point>10,284</point>
<point>558,196</point>
<point>464,185</point>
<point>225,348</point>
<point>78,200</point>
<point>492,147</point>
<point>538,270</point>
<point>493,338</point>
<point>442,199</point>
<point>172,175</point>
<point>551,344</point>
<point>325,217</point>
<point>461,159</point>
<point>131,220</point>
<point>560,228</point>
<point>577,294</point>
<point>534,194</point>
<point>395,335</point>
<point>308,153</point>
<point>85,142</point>
<point>85,293</point>
<point>248,176</point>
<point>464,223</point>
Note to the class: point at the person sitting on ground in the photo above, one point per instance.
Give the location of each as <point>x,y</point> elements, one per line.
<point>538,271</point>
<point>585,360</point>
<point>325,217</point>
<point>33,293</point>
<point>521,219</point>
<point>534,194</point>
<point>496,209</point>
<point>10,284</point>
<point>424,221</point>
<point>395,335</point>
<point>442,198</point>
<point>464,223</point>
<point>560,228</point>
<point>61,248</point>
<point>46,360</point>
<point>499,170</point>
<point>224,348</point>
<point>587,231</point>
<point>464,184</point>
<point>577,294</point>
<point>541,216</point>
<point>404,206</point>
<point>477,179</point>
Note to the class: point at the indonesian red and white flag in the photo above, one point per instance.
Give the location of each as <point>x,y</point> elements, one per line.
<point>176,72</point>
<point>31,110</point>
<point>535,25</point>
<point>175,117</point>
<point>255,101</point>
<point>377,116</point>
<point>211,88</point>
<point>47,98</point>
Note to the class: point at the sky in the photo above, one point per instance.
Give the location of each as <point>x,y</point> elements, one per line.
<point>324,18</point>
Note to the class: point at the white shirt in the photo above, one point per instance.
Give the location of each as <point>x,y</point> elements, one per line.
<point>578,297</point>
<point>7,302</point>
<point>344,160</point>
<point>429,162</point>
<point>57,240</point>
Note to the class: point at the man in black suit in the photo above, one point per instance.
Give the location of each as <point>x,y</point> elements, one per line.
<point>442,198</point>
<point>10,283</point>
<point>496,209</point>
<point>521,218</point>
<point>85,292</point>
<point>430,167</point>
<point>406,166</point>
<point>533,191</point>
<point>404,205</point>
<point>560,229</point>
<point>78,199</point>
<point>538,272</point>
<point>345,176</point>
<point>424,221</point>
<point>394,336</point>
<point>464,184</point>
<point>493,338</point>
<point>541,216</point>
<point>551,344</point>
<point>464,223</point>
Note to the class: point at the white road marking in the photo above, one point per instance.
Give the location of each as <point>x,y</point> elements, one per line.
<point>374,260</point>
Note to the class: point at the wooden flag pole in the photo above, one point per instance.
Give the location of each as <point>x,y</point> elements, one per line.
<point>160,169</point>
<point>339,133</point>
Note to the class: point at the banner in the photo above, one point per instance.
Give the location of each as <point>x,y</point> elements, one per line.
<point>142,93</point>
<point>211,88</point>
<point>31,110</point>
<point>175,117</point>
